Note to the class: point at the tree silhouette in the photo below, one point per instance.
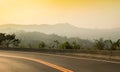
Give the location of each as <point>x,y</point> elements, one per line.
<point>2,38</point>
<point>75,45</point>
<point>56,42</point>
<point>66,45</point>
<point>114,45</point>
<point>42,44</point>
<point>118,43</point>
<point>8,39</point>
<point>16,42</point>
<point>99,44</point>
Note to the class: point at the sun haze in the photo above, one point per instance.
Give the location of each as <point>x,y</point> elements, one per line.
<point>81,13</point>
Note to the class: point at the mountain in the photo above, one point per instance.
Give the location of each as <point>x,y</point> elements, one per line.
<point>63,30</point>
<point>34,38</point>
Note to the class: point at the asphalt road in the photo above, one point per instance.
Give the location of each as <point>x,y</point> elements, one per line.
<point>13,61</point>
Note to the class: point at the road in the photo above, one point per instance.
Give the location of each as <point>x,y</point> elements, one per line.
<point>15,61</point>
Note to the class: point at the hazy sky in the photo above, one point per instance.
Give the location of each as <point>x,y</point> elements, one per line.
<point>81,13</point>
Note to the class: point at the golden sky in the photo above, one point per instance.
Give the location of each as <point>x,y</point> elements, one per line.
<point>81,13</point>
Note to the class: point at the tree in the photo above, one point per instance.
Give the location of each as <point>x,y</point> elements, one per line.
<point>42,44</point>
<point>8,39</point>
<point>56,42</point>
<point>75,45</point>
<point>2,38</point>
<point>61,46</point>
<point>66,45</point>
<point>118,43</point>
<point>99,44</point>
<point>114,45</point>
<point>16,42</point>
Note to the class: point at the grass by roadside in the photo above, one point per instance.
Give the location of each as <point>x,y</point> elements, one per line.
<point>102,55</point>
<point>92,56</point>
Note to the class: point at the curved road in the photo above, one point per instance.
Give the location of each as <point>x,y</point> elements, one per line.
<point>15,61</point>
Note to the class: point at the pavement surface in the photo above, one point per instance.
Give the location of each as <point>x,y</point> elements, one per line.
<point>16,61</point>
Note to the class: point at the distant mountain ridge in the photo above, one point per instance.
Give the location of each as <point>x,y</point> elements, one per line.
<point>64,29</point>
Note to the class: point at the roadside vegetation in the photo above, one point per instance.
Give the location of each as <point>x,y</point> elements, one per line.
<point>10,40</point>
<point>107,44</point>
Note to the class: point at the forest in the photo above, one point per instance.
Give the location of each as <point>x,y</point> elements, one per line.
<point>44,41</point>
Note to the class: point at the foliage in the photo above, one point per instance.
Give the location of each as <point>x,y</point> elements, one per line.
<point>118,43</point>
<point>2,38</point>
<point>8,39</point>
<point>42,44</point>
<point>76,46</point>
<point>114,45</point>
<point>66,45</point>
<point>34,38</point>
<point>56,43</point>
<point>99,44</point>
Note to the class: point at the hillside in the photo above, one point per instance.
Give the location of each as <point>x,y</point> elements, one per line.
<point>64,30</point>
<point>34,38</point>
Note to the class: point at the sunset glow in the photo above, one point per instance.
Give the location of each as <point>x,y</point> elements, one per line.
<point>81,13</point>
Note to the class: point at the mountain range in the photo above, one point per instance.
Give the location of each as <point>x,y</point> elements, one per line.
<point>63,29</point>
